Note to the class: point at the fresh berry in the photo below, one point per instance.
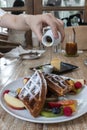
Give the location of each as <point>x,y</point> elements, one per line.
<point>67,111</point>
<point>56,110</point>
<point>6,91</point>
<point>78,85</point>
<point>54,104</point>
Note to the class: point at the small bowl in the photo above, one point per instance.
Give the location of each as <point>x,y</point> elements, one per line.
<point>47,69</point>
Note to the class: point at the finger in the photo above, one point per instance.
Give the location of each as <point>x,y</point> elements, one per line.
<point>55,24</point>
<point>49,20</point>
<point>61,28</point>
<point>38,32</point>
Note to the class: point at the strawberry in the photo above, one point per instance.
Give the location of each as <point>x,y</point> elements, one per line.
<point>67,111</point>
<point>78,85</point>
<point>6,91</point>
<point>54,104</point>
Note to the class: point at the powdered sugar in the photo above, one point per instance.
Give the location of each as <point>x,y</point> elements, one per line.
<point>32,87</point>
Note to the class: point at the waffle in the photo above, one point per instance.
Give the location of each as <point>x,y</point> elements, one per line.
<point>58,84</point>
<point>33,94</point>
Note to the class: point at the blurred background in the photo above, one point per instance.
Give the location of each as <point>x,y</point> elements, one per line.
<point>72,12</point>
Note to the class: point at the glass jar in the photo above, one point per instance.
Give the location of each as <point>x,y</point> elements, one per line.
<point>71,49</point>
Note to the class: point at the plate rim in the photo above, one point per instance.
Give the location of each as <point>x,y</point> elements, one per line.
<point>40,53</point>
<point>29,58</point>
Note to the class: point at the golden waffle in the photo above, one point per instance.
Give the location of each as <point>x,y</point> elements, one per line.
<point>58,84</point>
<point>33,94</point>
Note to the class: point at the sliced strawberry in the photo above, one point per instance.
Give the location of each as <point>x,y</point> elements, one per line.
<point>54,104</point>
<point>67,111</point>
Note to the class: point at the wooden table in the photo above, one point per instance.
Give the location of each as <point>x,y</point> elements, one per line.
<point>11,70</point>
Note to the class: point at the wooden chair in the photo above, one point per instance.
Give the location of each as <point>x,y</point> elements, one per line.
<point>3,36</point>
<point>6,45</point>
<point>81,36</point>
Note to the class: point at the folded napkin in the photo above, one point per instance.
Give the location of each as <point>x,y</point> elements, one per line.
<point>15,53</point>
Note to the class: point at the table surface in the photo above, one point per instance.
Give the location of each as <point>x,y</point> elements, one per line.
<point>12,69</point>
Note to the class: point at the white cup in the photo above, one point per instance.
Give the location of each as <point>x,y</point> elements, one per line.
<point>49,40</point>
<point>47,69</point>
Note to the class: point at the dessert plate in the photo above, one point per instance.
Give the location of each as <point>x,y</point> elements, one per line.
<point>25,115</point>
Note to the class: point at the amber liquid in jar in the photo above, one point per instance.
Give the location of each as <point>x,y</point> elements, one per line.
<point>71,49</point>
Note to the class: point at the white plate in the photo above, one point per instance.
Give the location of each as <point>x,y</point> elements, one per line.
<point>25,115</point>
<point>34,54</point>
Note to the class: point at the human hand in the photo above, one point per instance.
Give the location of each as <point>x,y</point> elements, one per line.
<point>37,22</point>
